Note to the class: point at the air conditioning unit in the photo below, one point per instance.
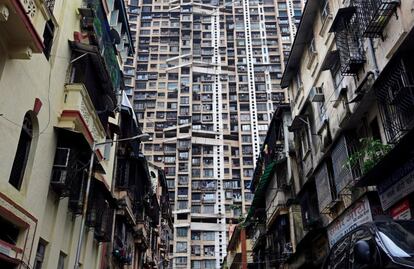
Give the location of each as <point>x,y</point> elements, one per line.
<point>61,157</point>
<point>316,95</point>
<point>59,177</point>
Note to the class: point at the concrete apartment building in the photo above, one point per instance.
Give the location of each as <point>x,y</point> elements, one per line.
<point>351,128</point>
<point>60,80</point>
<point>204,83</point>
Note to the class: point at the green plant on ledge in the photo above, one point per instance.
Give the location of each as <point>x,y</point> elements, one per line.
<point>370,153</point>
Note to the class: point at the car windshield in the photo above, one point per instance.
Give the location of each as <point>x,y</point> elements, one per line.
<point>398,239</point>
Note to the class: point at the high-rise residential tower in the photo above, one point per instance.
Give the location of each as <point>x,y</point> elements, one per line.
<point>204,83</point>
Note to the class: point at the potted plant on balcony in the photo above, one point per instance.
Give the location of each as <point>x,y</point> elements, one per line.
<point>368,155</point>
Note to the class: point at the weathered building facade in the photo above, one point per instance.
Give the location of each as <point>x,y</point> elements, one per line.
<point>349,79</point>
<point>61,84</point>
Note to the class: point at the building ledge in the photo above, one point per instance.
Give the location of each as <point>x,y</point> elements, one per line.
<point>20,28</point>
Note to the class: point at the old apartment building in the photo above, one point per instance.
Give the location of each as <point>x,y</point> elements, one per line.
<point>349,127</point>
<point>67,199</point>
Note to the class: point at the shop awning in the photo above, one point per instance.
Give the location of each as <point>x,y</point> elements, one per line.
<point>261,187</point>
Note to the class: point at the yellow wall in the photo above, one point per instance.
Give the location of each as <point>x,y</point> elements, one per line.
<point>21,81</point>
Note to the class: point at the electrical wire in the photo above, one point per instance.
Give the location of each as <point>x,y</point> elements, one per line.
<point>48,103</point>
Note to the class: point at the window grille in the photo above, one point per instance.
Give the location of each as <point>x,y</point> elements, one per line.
<point>374,15</point>
<point>349,41</point>
<point>395,95</point>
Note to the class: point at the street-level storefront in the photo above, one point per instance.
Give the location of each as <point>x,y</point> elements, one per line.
<point>396,192</point>
<point>394,178</point>
<point>363,210</point>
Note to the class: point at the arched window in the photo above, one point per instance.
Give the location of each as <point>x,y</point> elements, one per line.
<point>22,152</point>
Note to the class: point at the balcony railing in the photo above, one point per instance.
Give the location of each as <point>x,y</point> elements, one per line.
<point>348,41</point>
<point>259,231</point>
<point>97,27</point>
<point>99,214</point>
<point>78,113</point>
<point>374,15</point>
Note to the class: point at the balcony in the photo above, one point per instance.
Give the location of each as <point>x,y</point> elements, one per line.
<point>348,41</point>
<point>99,214</point>
<point>259,232</point>
<point>19,30</point>
<point>142,233</point>
<point>99,41</point>
<point>375,15</point>
<point>277,205</point>
<point>79,114</point>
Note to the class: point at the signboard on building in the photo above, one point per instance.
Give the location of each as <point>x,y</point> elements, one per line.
<point>397,186</point>
<point>401,211</point>
<point>357,214</point>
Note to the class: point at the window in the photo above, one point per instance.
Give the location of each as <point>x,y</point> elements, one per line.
<point>208,172</point>
<point>208,209</point>
<point>245,127</point>
<point>244,117</point>
<point>195,235</point>
<point>210,264</point>
<point>181,247</point>
<point>40,254</point>
<point>48,38</point>
<point>208,236</point>
<point>195,250</point>
<point>61,261</point>
<point>196,264</point>
<point>182,205</point>
<point>181,261</point>
<point>182,232</point>
<point>208,250</point>
<point>22,153</point>
<point>262,127</point>
<point>195,209</point>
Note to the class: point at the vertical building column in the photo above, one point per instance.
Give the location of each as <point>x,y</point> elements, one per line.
<point>220,237</point>
<point>250,78</point>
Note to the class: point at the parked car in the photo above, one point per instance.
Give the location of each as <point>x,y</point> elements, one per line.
<point>379,244</point>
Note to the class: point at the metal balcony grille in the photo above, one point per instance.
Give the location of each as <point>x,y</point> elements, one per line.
<point>374,15</point>
<point>395,94</point>
<point>348,41</point>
